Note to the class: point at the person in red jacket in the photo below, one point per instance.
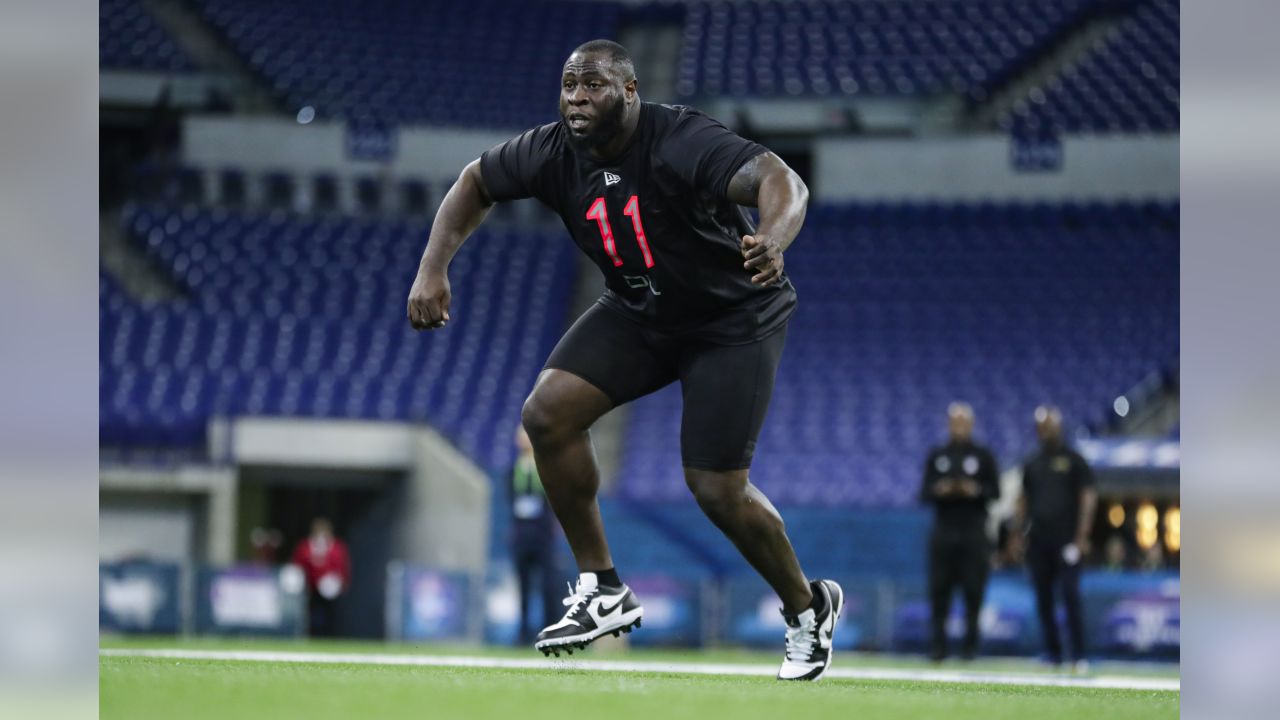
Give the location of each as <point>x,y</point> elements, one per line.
<point>327,566</point>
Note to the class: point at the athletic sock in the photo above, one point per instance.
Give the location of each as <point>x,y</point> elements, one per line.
<point>818,603</point>
<point>607,578</point>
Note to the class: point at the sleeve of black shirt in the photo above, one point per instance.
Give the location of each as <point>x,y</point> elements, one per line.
<point>1026,475</point>
<point>1081,472</point>
<point>930,478</point>
<point>511,170</point>
<point>990,477</point>
<point>705,153</point>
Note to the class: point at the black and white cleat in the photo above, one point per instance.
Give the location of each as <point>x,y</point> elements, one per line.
<point>594,611</point>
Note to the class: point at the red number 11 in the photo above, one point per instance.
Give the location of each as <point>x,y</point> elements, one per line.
<point>632,210</point>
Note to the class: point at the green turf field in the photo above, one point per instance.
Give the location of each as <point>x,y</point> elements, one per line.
<point>143,687</point>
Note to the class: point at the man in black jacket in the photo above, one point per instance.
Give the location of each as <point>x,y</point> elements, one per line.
<point>1056,512</point>
<point>960,479</point>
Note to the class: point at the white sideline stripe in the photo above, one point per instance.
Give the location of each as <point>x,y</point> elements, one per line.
<point>685,668</point>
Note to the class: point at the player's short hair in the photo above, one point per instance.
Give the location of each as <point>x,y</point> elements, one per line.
<point>618,56</point>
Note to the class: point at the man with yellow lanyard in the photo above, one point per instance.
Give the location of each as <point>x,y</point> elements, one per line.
<point>532,550</point>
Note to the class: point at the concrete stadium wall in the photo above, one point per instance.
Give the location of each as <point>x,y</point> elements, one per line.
<point>966,167</point>
<point>140,88</point>
<point>256,144</point>
<point>181,514</point>
<point>982,168</point>
<point>189,514</point>
<point>444,522</point>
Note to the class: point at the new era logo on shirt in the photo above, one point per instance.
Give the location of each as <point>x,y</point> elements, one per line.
<point>610,179</point>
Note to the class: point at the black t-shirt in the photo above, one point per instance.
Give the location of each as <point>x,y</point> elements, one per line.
<point>1052,480</point>
<point>655,220</point>
<point>958,460</point>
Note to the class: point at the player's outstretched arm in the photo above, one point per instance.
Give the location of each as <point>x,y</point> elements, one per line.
<point>765,182</point>
<point>463,209</point>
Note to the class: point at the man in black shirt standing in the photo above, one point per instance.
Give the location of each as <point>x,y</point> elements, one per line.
<point>1056,512</point>
<point>655,196</point>
<point>532,537</point>
<point>960,480</point>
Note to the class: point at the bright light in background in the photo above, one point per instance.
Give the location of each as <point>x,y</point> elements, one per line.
<point>1121,406</point>
<point>1173,529</point>
<point>1147,520</point>
<point>306,114</point>
<point>1115,515</point>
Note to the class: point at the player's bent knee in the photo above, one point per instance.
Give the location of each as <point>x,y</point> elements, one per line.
<point>562,406</point>
<point>548,420</point>
<point>539,419</point>
<point>717,492</point>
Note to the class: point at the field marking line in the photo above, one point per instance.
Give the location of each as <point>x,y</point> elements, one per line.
<point>1114,682</point>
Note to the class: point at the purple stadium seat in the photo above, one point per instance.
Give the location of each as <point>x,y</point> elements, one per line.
<point>293,316</point>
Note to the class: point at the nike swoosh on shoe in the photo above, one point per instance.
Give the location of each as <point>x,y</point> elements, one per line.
<point>609,610</point>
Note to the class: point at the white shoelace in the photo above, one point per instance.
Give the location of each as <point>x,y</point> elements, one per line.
<point>800,641</point>
<point>577,596</point>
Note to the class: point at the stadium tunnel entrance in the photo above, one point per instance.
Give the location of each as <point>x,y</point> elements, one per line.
<point>276,509</point>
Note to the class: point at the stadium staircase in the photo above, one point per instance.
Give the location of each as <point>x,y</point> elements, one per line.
<point>213,54</point>
<point>130,39</point>
<point>652,35</point>
<point>1153,408</point>
<point>1126,82</point>
<point>128,266</point>
<point>1069,50</point>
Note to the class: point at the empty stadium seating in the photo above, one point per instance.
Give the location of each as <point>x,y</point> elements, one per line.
<point>130,38</point>
<point>493,63</point>
<point>905,308</point>
<point>876,47</point>
<point>473,64</point>
<point>305,317</point>
<point>1128,83</point>
<point>767,48</point>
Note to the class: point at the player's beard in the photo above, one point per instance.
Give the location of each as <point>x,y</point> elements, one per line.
<point>608,123</point>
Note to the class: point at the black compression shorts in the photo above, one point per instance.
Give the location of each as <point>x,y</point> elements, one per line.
<point>726,388</point>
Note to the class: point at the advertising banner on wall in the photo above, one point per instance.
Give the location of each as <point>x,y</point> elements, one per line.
<point>502,605</point>
<point>753,614</point>
<point>1134,616</point>
<point>1006,621</point>
<point>673,611</point>
<point>251,600</point>
<point>1127,615</point>
<point>428,604</point>
<point>139,597</point>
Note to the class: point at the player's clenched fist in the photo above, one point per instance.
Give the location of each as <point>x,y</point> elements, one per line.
<point>429,301</point>
<point>764,257</point>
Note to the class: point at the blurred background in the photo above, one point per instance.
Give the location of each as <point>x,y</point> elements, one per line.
<point>994,220</point>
